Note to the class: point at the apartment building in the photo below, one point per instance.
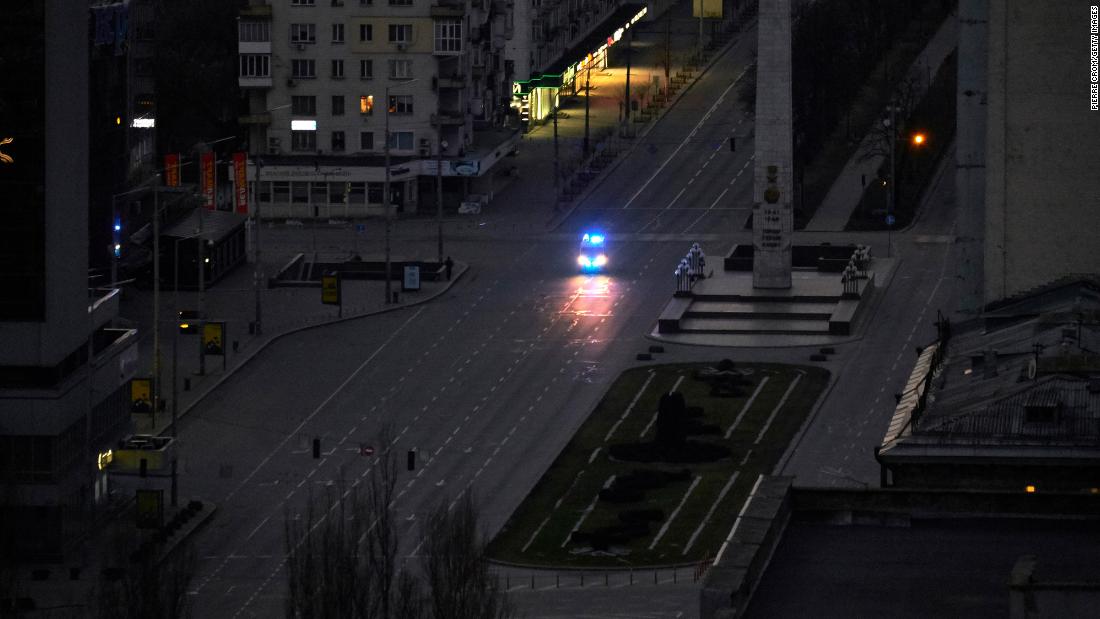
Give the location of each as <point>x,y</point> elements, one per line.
<point>64,366</point>
<point>320,76</point>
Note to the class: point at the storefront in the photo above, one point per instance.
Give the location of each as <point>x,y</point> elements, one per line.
<point>536,98</point>
<point>295,191</point>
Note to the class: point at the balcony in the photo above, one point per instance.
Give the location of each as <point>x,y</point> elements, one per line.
<point>257,10</point>
<point>447,9</point>
<point>452,81</point>
<point>263,118</point>
<point>448,119</point>
<point>254,82</point>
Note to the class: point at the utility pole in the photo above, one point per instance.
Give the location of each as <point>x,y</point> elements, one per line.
<point>557,164</point>
<point>202,293</point>
<point>668,49</point>
<point>892,126</point>
<point>629,45</point>
<point>386,191</point>
<point>587,94</point>
<point>156,299</point>
<point>258,269</point>
<point>439,184</point>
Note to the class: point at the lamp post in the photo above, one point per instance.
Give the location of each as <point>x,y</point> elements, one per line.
<point>257,223</point>
<point>891,126</point>
<point>439,184</point>
<point>386,190</point>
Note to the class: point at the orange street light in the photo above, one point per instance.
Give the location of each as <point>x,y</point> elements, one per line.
<point>918,139</point>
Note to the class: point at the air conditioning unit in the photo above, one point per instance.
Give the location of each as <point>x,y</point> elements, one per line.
<point>402,46</point>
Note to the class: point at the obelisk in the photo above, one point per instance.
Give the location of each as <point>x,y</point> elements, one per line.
<point>772,218</point>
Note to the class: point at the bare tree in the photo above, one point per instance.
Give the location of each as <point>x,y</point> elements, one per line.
<point>143,584</point>
<point>455,566</point>
<point>907,96</point>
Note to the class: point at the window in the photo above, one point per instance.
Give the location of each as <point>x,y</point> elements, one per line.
<point>374,193</point>
<point>303,140</point>
<point>337,105</point>
<point>303,68</point>
<point>366,32</point>
<point>365,2</point>
<point>401,33</point>
<point>336,193</point>
<point>400,2</point>
<point>401,69</point>
<point>301,2</point>
<point>299,192</point>
<point>401,104</point>
<point>318,192</point>
<point>301,105</point>
<point>254,31</point>
<point>338,33</point>
<point>255,65</point>
<point>338,68</point>
<point>366,69</point>
<point>366,104</point>
<point>281,191</point>
<point>338,140</point>
<point>401,140</point>
<point>303,33</point>
<point>366,140</point>
<point>448,35</point>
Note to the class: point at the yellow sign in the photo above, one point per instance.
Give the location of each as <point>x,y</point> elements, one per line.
<point>213,338</point>
<point>150,509</point>
<point>6,158</point>
<point>330,289</point>
<point>709,8</point>
<point>141,395</point>
<point>105,459</point>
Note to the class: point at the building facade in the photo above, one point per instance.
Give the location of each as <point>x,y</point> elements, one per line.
<point>320,76</point>
<point>64,367</point>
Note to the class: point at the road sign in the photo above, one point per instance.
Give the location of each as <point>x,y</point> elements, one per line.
<point>330,289</point>
<point>412,278</point>
<point>890,220</point>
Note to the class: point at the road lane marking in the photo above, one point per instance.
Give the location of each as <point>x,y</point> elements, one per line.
<point>684,142</point>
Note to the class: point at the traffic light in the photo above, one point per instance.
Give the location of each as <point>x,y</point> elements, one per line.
<point>188,322</point>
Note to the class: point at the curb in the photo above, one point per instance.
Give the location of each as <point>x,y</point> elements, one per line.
<point>610,570</point>
<point>263,344</point>
<point>552,225</point>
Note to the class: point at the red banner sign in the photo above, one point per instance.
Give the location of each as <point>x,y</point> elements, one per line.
<point>240,174</point>
<point>207,179</point>
<point>172,170</point>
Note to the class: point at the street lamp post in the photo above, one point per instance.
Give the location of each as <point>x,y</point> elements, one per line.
<point>386,191</point>
<point>439,185</point>
<point>891,125</point>
<point>257,223</point>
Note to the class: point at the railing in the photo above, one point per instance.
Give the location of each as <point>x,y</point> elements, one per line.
<point>518,581</point>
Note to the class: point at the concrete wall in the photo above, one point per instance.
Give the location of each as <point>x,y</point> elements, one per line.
<point>970,106</point>
<point>1042,191</point>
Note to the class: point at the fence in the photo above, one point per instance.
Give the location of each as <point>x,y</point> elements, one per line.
<point>517,581</point>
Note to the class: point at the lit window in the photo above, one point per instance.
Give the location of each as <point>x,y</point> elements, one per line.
<point>401,104</point>
<point>366,104</point>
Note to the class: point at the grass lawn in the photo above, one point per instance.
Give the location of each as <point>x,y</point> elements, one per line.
<point>539,532</point>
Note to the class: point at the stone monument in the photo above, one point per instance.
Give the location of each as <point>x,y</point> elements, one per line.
<point>772,218</point>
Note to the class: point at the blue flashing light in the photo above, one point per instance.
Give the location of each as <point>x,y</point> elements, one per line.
<point>118,250</point>
<point>596,239</point>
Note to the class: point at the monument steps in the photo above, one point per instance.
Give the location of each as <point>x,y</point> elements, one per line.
<point>775,326</point>
<point>784,310</point>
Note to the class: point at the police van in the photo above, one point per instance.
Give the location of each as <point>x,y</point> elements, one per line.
<point>592,256</point>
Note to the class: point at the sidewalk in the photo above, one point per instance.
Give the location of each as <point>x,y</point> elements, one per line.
<point>232,300</point>
<point>531,197</point>
<point>836,209</point>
